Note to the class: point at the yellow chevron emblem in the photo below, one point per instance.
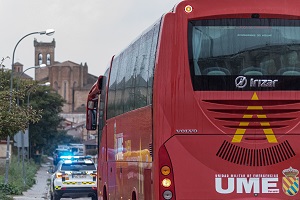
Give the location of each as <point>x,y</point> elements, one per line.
<point>239,133</point>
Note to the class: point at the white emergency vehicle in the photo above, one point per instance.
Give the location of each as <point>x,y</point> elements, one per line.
<point>74,177</point>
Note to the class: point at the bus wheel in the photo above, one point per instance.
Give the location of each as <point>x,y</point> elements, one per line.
<point>133,196</point>
<point>104,193</point>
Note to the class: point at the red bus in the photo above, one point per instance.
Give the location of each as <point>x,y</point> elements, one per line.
<point>204,104</point>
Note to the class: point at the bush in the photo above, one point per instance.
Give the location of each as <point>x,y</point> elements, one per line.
<point>5,197</point>
<point>15,184</point>
<point>9,189</point>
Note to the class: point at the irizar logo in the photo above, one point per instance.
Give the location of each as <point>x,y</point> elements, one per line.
<point>262,83</point>
<point>241,82</point>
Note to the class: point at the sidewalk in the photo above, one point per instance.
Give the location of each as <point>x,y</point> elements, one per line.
<point>39,191</point>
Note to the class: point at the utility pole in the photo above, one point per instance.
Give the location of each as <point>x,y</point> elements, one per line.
<point>47,32</point>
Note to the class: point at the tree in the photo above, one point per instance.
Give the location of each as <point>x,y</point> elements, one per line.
<point>45,134</point>
<point>31,105</point>
<point>14,117</point>
<point>42,133</point>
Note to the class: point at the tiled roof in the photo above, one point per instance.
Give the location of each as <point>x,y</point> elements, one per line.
<point>66,63</point>
<point>23,76</point>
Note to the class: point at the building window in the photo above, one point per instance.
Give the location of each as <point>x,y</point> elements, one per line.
<point>40,57</point>
<point>65,90</point>
<point>73,96</point>
<point>48,59</point>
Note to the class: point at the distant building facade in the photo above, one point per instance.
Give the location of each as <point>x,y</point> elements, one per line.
<point>69,79</point>
<point>18,71</point>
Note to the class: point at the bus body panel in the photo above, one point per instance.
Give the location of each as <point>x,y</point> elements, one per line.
<point>191,125</point>
<point>178,109</point>
<point>129,158</point>
<point>102,167</point>
<point>235,9</point>
<point>209,168</point>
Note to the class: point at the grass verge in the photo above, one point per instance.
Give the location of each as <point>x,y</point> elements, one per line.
<point>16,181</point>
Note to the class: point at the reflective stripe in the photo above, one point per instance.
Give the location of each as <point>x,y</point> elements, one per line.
<point>84,183</point>
<point>88,183</point>
<point>69,183</point>
<point>57,187</point>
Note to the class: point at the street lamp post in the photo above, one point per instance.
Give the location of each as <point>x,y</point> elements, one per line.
<point>47,32</point>
<point>18,100</point>
<point>20,76</point>
<point>17,89</point>
<point>22,134</point>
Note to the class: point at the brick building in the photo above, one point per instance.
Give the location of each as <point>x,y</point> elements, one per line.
<point>69,79</point>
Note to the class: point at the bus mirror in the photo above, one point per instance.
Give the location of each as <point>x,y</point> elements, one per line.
<point>91,120</point>
<point>92,105</point>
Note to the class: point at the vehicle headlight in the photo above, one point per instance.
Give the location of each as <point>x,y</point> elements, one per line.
<point>58,175</point>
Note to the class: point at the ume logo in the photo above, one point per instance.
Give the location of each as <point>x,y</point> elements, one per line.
<point>247,185</point>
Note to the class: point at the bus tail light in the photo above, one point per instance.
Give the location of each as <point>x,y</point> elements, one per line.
<point>166,182</point>
<point>165,170</point>
<point>167,194</point>
<point>166,176</point>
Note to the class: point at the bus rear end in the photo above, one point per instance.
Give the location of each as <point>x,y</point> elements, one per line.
<point>227,101</point>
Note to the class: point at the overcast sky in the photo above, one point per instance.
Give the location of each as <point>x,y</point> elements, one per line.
<point>90,31</point>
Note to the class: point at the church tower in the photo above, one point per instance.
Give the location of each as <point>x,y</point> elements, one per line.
<point>44,53</point>
<point>68,79</point>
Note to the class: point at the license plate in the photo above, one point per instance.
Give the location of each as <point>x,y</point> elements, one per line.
<point>79,176</point>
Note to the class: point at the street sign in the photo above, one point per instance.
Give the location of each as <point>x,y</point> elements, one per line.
<point>18,139</point>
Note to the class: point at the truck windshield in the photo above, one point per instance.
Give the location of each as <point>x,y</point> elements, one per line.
<point>224,49</point>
